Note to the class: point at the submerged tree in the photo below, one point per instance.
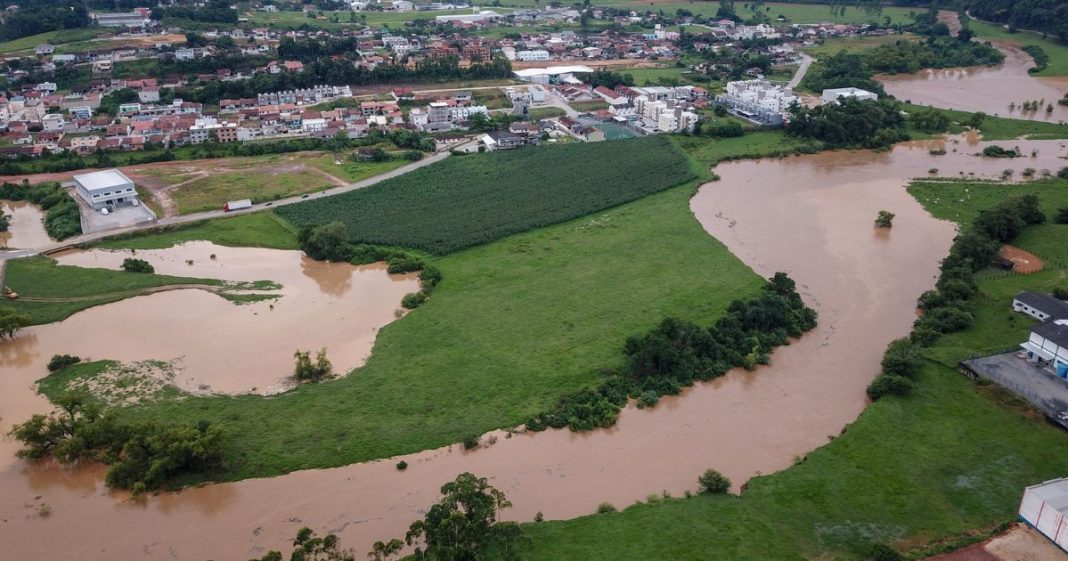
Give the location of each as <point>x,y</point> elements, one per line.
<point>885,219</point>
<point>305,370</point>
<point>11,322</point>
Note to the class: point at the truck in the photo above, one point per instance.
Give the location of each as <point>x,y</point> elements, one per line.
<point>237,205</point>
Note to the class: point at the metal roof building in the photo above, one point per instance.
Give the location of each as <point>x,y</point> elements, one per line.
<point>1045,507</point>
<point>105,189</point>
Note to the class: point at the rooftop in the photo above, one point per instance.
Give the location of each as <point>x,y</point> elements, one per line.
<point>1056,308</point>
<point>1054,493</point>
<point>552,71</point>
<point>1053,330</point>
<point>100,180</point>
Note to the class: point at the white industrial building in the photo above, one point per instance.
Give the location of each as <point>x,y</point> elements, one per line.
<point>527,56</point>
<point>551,74</point>
<point>759,100</point>
<point>1045,508</point>
<point>832,95</point>
<point>106,189</point>
<point>1040,306</point>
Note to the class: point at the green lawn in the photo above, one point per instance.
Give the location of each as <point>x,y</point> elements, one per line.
<point>1001,128</point>
<point>81,288</point>
<point>54,37</point>
<point>652,75</point>
<point>259,229</point>
<point>855,44</point>
<point>211,193</point>
<point>356,171</point>
<point>946,463</point>
<point>772,143</point>
<point>1058,52</point>
<point>961,201</point>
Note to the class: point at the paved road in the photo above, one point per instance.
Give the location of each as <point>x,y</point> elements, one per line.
<point>196,217</point>
<point>553,99</point>
<point>806,61</point>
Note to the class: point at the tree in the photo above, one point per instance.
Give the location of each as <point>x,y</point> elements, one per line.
<point>463,524</point>
<point>328,242</point>
<point>1062,216</point>
<point>305,370</point>
<point>5,222</point>
<point>713,482</point>
<point>976,120</point>
<point>11,322</point>
<point>885,219</point>
<point>132,265</point>
<point>902,358</point>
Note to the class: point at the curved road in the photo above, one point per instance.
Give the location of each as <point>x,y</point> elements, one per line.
<point>196,217</point>
<point>806,61</point>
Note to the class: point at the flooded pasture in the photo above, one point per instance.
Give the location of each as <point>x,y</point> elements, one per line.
<point>25,226</point>
<point>811,216</point>
<point>214,345</point>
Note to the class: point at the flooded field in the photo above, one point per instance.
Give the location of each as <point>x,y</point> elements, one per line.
<point>811,216</point>
<point>25,227</point>
<point>215,345</point>
<point>997,90</point>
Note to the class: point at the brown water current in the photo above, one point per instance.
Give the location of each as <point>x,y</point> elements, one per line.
<point>811,216</point>
<point>990,89</point>
<point>25,226</point>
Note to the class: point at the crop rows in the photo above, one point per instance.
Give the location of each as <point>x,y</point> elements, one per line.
<point>470,200</point>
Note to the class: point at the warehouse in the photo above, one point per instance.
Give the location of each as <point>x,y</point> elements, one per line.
<point>1044,507</point>
<point>106,189</point>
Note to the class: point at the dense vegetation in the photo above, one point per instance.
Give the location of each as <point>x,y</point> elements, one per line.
<point>850,123</point>
<point>466,201</point>
<point>141,457</point>
<point>677,353</point>
<point>843,70</point>
<point>62,218</point>
<point>39,16</point>
<point>1047,16</point>
<point>935,52</point>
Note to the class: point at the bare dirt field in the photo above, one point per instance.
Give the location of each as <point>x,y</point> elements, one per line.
<point>1023,262</point>
<point>1020,543</point>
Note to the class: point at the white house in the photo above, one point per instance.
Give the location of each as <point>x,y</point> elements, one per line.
<point>527,56</point>
<point>108,188</point>
<point>403,5</point>
<point>1040,306</point>
<point>52,122</point>
<point>832,95</point>
<point>185,53</point>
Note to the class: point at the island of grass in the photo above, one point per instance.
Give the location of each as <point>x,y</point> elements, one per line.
<point>944,466</point>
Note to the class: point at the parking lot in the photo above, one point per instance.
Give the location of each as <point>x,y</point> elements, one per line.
<point>121,217</point>
<point>1035,384</point>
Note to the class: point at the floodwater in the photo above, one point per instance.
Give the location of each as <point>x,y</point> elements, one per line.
<point>25,227</point>
<point>811,216</point>
<point>216,346</point>
<point>990,89</point>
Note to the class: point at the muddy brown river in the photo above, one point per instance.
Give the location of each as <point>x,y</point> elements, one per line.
<point>25,226</point>
<point>810,216</point>
<point>997,90</point>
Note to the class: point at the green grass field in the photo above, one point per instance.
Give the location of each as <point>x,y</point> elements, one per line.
<point>961,201</point>
<point>53,37</point>
<point>1058,52</point>
<point>771,143</point>
<point>259,229</point>
<point>855,44</point>
<point>72,289</point>
<point>211,193</point>
<point>652,75</point>
<point>356,171</point>
<point>946,464</point>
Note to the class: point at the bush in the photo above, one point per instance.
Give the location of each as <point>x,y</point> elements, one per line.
<point>605,508</point>
<point>1063,173</point>
<point>403,264</point>
<point>132,265</point>
<point>1062,215</point>
<point>429,277</point>
<point>402,465</point>
<point>1060,293</point>
<point>471,442</point>
<point>59,362</point>
<point>995,151</point>
<point>306,371</point>
<point>889,384</point>
<point>946,319</point>
<point>885,219</point>
<point>328,242</point>
<point>713,482</point>
<point>413,300</point>
<point>902,358</point>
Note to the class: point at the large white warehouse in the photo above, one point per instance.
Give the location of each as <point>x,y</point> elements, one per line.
<point>106,189</point>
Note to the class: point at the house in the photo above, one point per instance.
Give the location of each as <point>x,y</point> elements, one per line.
<point>148,95</point>
<point>44,49</point>
<point>52,122</point>
<point>832,95</point>
<point>502,140</point>
<point>105,189</point>
<point>1040,306</point>
<point>185,53</point>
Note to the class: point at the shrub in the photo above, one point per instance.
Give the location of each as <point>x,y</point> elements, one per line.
<point>413,300</point>
<point>713,482</point>
<point>889,384</point>
<point>883,552</point>
<point>946,319</point>
<point>429,277</point>
<point>995,151</point>
<point>648,398</point>
<point>1063,173</point>
<point>305,370</point>
<point>59,362</point>
<point>132,265</point>
<point>328,242</point>
<point>403,264</point>
<point>885,219</point>
<point>471,442</point>
<point>1060,293</point>
<point>902,358</point>
<point>605,508</point>
<point>1062,215</point>
<point>402,465</point>
<point>539,517</point>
